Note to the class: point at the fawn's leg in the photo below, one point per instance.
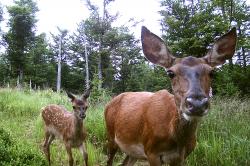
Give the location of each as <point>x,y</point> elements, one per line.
<point>46,146</point>
<point>84,153</point>
<point>69,152</point>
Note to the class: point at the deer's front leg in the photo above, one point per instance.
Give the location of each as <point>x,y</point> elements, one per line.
<point>69,152</point>
<point>153,159</point>
<point>129,161</point>
<point>178,161</point>
<point>84,153</point>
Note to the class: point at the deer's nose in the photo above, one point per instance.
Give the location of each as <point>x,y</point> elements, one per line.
<point>197,105</point>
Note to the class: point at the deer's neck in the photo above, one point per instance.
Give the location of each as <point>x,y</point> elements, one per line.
<point>185,130</point>
<point>78,124</point>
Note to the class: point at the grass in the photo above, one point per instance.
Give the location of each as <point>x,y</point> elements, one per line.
<point>223,136</point>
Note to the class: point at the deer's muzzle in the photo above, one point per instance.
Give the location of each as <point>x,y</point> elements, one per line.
<point>197,106</point>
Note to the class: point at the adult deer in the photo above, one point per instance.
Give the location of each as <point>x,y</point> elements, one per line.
<point>67,126</point>
<point>161,127</point>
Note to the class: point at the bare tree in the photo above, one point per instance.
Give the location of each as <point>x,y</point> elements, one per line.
<point>63,33</point>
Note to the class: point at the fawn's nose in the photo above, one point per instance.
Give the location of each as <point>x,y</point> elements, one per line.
<point>82,115</point>
<point>197,105</point>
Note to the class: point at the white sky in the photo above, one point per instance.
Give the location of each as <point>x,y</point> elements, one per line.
<point>67,13</point>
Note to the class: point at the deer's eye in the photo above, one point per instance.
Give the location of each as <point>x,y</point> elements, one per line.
<point>171,74</point>
<point>74,107</point>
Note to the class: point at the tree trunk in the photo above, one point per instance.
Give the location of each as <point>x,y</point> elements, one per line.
<point>100,71</point>
<point>20,77</point>
<point>243,54</point>
<point>30,85</point>
<point>231,19</point>
<point>59,67</point>
<point>101,47</point>
<point>18,82</point>
<point>87,67</point>
<point>244,58</point>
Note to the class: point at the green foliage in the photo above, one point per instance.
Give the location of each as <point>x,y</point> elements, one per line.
<point>96,93</point>
<point>5,143</point>
<point>148,78</point>
<point>40,70</point>
<point>124,57</point>
<point>21,34</point>
<point>72,79</point>
<point>27,57</point>
<point>221,138</point>
<point>95,156</point>
<point>117,50</point>
<point>4,72</point>
<point>23,122</point>
<point>232,80</point>
<point>24,155</point>
<point>22,105</point>
<point>16,153</point>
<point>189,29</point>
<point>96,135</point>
<point>156,79</point>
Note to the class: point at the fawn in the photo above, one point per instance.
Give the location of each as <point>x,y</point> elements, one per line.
<point>66,126</point>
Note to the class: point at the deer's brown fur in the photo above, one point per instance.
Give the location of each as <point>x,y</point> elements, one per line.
<point>161,127</point>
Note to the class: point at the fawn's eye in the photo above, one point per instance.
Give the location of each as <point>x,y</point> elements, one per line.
<point>74,107</point>
<point>171,74</point>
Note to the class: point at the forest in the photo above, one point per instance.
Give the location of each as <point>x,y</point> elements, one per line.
<point>37,69</point>
<point>110,58</point>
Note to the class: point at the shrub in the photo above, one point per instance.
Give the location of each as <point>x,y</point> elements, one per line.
<point>5,143</point>
<point>18,154</point>
<point>25,154</point>
<point>231,80</point>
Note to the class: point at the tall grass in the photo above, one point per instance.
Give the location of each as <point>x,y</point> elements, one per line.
<point>223,136</point>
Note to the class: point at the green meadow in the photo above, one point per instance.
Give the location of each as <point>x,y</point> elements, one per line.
<point>223,136</point>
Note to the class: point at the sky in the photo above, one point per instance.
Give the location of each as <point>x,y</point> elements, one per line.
<point>67,13</point>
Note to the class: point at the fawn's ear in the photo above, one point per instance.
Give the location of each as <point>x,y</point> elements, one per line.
<point>223,49</point>
<point>71,96</point>
<point>155,49</point>
<point>86,94</point>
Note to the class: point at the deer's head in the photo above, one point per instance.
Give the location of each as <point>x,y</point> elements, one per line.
<point>190,76</point>
<point>79,105</point>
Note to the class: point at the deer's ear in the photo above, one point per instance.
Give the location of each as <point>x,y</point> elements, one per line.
<point>155,49</point>
<point>71,96</point>
<point>222,49</point>
<point>86,94</point>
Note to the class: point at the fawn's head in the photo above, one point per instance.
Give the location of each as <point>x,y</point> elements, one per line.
<point>190,76</point>
<point>79,105</point>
